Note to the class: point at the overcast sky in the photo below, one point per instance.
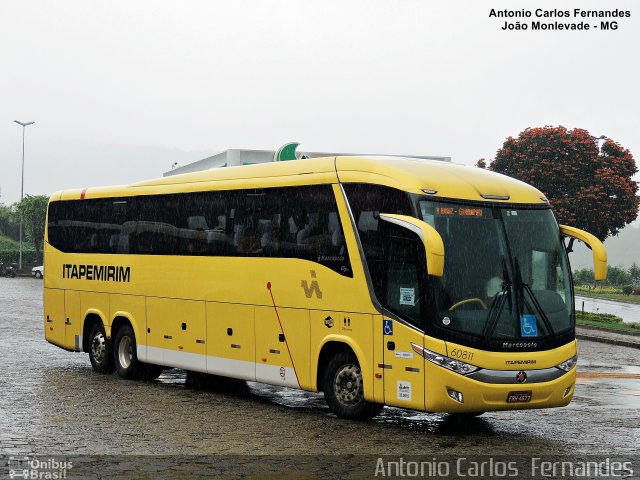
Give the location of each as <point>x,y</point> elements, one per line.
<point>120,90</point>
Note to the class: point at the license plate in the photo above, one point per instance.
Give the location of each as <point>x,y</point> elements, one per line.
<point>519,397</point>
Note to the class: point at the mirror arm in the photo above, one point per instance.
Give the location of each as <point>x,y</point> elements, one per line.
<point>569,248</point>
<point>597,249</point>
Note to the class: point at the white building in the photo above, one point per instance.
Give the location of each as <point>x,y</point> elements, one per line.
<point>235,157</point>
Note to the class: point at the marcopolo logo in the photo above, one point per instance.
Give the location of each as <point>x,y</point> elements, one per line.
<point>104,273</point>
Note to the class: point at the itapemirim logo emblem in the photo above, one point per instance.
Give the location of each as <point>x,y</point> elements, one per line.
<point>314,288</point>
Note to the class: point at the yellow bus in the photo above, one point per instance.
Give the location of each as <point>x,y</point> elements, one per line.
<point>376,280</point>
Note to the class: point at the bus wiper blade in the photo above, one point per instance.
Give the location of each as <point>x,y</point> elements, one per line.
<point>525,287</point>
<point>538,307</point>
<point>498,305</point>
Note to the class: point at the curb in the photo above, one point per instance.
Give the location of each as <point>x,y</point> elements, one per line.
<point>610,341</point>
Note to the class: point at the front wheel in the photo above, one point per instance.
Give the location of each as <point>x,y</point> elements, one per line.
<point>344,389</point>
<point>100,350</point>
<point>38,275</point>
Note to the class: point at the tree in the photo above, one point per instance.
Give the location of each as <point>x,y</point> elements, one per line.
<point>8,222</point>
<point>587,189</point>
<point>617,276</point>
<point>634,273</point>
<point>33,211</point>
<point>583,276</point>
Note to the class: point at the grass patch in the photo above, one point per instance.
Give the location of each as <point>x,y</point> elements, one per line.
<point>605,320</point>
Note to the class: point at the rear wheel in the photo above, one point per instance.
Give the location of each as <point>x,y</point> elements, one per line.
<point>344,389</point>
<point>125,358</point>
<point>124,353</point>
<point>100,353</point>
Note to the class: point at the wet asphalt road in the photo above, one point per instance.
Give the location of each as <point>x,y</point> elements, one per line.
<point>52,403</point>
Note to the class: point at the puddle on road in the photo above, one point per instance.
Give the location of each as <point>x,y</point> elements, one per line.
<point>613,389</point>
<point>633,393</point>
<point>620,375</point>
<point>173,377</point>
<point>587,367</point>
<point>288,397</point>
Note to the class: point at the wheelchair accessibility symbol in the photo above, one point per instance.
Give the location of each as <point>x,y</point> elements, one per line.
<point>528,326</point>
<point>387,328</point>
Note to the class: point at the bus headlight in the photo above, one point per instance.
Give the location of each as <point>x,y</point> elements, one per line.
<point>568,364</point>
<point>449,363</point>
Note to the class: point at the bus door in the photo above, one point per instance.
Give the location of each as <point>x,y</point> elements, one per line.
<point>403,368</point>
<point>401,290</point>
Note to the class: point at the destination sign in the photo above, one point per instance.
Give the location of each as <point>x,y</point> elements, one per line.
<point>460,211</point>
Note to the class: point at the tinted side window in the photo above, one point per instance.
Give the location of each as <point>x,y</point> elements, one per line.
<point>293,222</point>
<point>155,231</point>
<point>90,226</point>
<point>205,223</point>
<point>367,202</point>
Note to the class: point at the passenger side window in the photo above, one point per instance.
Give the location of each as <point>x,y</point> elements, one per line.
<point>203,223</point>
<point>366,202</point>
<point>91,226</point>
<point>292,222</point>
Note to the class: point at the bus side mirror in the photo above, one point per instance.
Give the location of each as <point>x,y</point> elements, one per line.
<point>430,238</point>
<point>596,246</point>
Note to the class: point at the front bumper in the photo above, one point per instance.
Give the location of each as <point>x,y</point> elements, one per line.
<point>482,397</point>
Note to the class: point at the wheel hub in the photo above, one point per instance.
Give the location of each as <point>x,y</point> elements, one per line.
<point>348,384</point>
<point>125,353</point>
<point>98,347</point>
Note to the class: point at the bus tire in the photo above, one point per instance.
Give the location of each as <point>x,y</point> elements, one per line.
<point>344,389</point>
<point>100,353</point>
<point>125,355</point>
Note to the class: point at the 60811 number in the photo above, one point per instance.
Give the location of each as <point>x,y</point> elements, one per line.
<point>461,354</point>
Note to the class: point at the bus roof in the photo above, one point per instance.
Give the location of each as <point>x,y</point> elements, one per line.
<point>436,178</point>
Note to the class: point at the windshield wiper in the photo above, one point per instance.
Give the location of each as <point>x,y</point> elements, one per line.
<point>498,304</point>
<point>525,287</point>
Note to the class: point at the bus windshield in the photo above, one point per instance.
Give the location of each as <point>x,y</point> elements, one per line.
<point>506,275</point>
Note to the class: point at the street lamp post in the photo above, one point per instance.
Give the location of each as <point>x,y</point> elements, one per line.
<point>24,127</point>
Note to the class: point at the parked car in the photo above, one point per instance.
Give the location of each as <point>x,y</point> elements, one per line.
<point>38,272</point>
